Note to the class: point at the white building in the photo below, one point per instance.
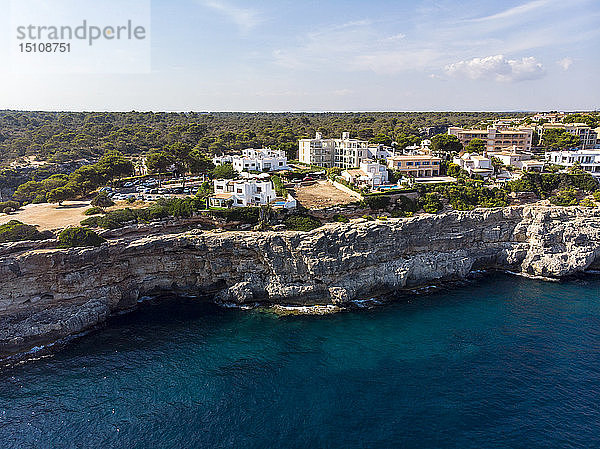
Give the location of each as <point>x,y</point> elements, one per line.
<point>370,173</point>
<point>263,160</point>
<point>475,164</point>
<point>344,152</point>
<point>588,159</point>
<point>243,192</point>
<point>379,152</point>
<point>513,157</point>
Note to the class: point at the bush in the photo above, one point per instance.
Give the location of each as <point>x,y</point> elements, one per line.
<point>564,198</point>
<point>79,237</point>
<point>586,202</point>
<point>376,202</point>
<point>247,215</point>
<point>340,218</point>
<point>431,203</point>
<point>93,211</point>
<point>302,223</point>
<point>102,200</point>
<point>368,218</point>
<point>597,195</point>
<point>9,204</point>
<point>15,231</point>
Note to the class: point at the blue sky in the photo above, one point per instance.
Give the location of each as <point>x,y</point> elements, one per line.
<point>334,55</point>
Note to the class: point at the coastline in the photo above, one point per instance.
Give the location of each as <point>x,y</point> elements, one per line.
<point>66,292</point>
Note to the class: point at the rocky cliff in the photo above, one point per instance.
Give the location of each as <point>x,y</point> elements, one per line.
<point>47,294</point>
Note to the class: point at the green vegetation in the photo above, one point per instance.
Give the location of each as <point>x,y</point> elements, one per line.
<point>543,184</point>
<point>445,144</point>
<point>565,198</point>
<point>58,188</point>
<point>79,237</point>
<point>301,223</point>
<point>102,200</point>
<point>224,171</point>
<point>94,211</point>
<point>431,203</point>
<point>586,202</point>
<point>280,189</point>
<point>9,205</point>
<point>339,218</point>
<point>475,146</point>
<point>592,120</point>
<point>15,231</point>
<point>68,136</point>
<point>597,195</point>
<point>466,196</point>
<point>376,202</point>
<point>559,139</point>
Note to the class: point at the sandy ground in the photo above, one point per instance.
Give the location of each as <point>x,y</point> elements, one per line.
<point>49,216</point>
<point>322,195</point>
<point>53,216</point>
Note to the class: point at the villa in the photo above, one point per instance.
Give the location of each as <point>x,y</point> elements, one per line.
<point>475,164</point>
<point>262,160</point>
<point>242,193</point>
<point>371,174</point>
<point>589,160</point>
<point>416,166</point>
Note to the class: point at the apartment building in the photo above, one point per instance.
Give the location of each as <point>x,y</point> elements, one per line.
<point>586,134</point>
<point>416,166</point>
<point>263,160</point>
<point>496,137</point>
<point>588,159</point>
<point>343,153</point>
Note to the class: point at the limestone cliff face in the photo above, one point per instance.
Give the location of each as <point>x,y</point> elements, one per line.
<point>46,294</point>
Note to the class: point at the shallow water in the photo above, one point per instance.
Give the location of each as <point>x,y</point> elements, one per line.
<point>503,362</point>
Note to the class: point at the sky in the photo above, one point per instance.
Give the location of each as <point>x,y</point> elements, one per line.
<point>341,55</point>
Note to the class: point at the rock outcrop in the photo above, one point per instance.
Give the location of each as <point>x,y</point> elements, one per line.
<point>47,294</point>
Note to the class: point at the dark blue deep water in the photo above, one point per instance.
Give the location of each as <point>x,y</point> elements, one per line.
<point>502,362</point>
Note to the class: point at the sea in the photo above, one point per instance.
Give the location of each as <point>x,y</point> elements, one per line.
<point>498,362</point>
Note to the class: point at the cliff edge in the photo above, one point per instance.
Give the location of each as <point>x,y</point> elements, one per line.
<point>48,294</point>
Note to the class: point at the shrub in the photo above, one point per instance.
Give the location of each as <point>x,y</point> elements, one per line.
<point>79,237</point>
<point>431,203</point>
<point>302,223</point>
<point>247,215</point>
<point>15,231</point>
<point>597,195</point>
<point>93,211</point>
<point>376,202</point>
<point>9,204</point>
<point>587,202</point>
<point>368,218</point>
<point>340,218</point>
<point>102,200</point>
<point>564,198</point>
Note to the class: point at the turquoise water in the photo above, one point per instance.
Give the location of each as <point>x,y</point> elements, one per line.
<point>502,362</point>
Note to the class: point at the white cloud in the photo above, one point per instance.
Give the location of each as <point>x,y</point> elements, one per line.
<point>565,63</point>
<point>517,11</point>
<point>244,18</point>
<point>497,68</point>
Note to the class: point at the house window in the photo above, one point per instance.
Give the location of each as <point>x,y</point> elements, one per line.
<point>259,189</point>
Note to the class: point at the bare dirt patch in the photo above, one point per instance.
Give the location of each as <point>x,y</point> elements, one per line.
<point>49,216</point>
<point>322,195</point>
